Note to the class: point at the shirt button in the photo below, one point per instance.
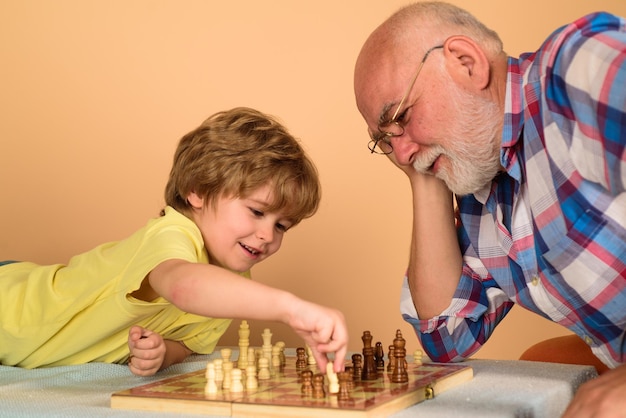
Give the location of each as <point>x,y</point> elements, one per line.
<point>535,280</point>
<point>588,340</point>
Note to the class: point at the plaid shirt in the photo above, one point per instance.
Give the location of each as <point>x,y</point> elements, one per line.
<point>549,233</point>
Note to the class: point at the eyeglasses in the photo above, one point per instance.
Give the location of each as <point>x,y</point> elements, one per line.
<point>380,142</point>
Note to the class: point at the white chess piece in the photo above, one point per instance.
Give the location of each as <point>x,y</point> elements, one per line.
<point>251,380</point>
<point>244,344</point>
<point>417,357</point>
<point>264,369</point>
<point>236,385</point>
<point>226,353</point>
<point>227,367</point>
<point>211,386</point>
<point>310,358</point>
<point>333,380</point>
<point>219,369</point>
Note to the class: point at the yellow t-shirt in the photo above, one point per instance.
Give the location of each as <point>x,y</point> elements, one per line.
<point>81,312</point>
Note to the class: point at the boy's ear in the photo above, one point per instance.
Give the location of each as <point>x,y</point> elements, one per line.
<point>467,63</point>
<point>195,201</point>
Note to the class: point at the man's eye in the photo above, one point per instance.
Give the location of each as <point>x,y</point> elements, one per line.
<point>402,116</point>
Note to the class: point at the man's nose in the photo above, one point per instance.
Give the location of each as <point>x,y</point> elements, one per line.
<point>404,149</point>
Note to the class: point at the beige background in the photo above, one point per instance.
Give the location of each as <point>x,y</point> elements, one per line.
<point>95,95</point>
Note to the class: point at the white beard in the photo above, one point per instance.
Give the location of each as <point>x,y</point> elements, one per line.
<point>473,152</point>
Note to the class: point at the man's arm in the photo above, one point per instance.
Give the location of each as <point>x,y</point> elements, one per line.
<point>435,262</point>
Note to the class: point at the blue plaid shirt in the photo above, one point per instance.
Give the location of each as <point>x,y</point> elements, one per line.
<point>549,233</point>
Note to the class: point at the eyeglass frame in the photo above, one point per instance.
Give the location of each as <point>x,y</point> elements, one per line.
<point>384,135</point>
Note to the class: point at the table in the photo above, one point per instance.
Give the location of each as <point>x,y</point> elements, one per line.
<point>498,389</point>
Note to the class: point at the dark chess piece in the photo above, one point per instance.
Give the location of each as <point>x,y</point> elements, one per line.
<point>344,386</point>
<point>379,357</point>
<point>369,364</point>
<point>391,359</point>
<point>301,362</point>
<point>307,382</point>
<point>318,386</point>
<point>399,373</point>
<point>357,366</point>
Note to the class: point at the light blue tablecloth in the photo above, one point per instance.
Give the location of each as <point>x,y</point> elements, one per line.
<point>498,389</point>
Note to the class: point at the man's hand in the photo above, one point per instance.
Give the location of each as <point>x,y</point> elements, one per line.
<point>601,397</point>
<point>147,351</point>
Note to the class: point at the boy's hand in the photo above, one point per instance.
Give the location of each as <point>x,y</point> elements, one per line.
<point>147,351</point>
<point>324,330</point>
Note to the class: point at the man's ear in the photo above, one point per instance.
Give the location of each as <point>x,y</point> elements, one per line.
<point>195,201</point>
<point>467,63</point>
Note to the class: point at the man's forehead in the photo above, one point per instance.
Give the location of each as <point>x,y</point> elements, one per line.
<point>378,85</point>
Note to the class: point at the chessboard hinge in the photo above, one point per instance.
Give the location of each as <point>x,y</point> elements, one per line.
<point>429,392</point>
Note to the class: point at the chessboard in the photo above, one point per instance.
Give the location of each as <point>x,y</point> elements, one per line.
<point>281,395</point>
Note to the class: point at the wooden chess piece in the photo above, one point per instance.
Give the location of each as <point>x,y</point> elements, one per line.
<point>379,358</point>
<point>301,358</point>
<point>318,386</point>
<point>369,364</point>
<point>264,369</point>
<point>333,379</point>
<point>244,344</point>
<point>357,366</point>
<point>399,373</point>
<point>211,386</point>
<point>227,367</point>
<point>344,385</point>
<point>391,359</point>
<point>307,382</point>
<point>236,384</point>
<point>251,381</point>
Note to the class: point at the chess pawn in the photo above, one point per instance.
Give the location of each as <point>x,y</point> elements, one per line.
<point>417,357</point>
<point>391,359</point>
<point>275,361</point>
<point>236,385</point>
<point>211,386</point>
<point>318,386</point>
<point>344,379</point>
<point>300,358</point>
<point>264,369</point>
<point>283,359</point>
<point>379,358</point>
<point>251,356</point>
<point>307,382</point>
<point>251,380</point>
<point>219,370</point>
<point>227,367</point>
<point>357,366</point>
<point>226,353</point>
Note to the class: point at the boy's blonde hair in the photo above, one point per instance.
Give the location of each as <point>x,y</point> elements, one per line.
<point>235,152</point>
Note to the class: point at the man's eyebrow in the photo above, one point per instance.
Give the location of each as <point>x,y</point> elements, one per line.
<point>382,118</point>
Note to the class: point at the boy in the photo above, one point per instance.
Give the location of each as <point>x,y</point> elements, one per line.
<point>237,184</point>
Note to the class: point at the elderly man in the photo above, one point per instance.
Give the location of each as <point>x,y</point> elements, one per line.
<point>534,149</point>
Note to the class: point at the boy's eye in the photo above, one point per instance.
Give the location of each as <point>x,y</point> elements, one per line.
<point>281,227</point>
<point>256,212</point>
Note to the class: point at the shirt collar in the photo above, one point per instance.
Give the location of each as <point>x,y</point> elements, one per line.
<point>513,120</point>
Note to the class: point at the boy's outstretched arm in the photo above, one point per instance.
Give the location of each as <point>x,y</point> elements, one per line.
<point>149,352</point>
<point>211,291</point>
